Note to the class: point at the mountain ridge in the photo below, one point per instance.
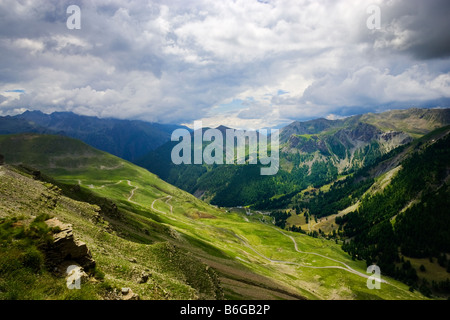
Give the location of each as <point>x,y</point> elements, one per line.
<point>128,139</point>
<point>311,153</point>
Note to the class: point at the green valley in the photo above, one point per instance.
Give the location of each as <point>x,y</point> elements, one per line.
<point>312,154</point>
<point>375,183</point>
<point>135,223</point>
<point>223,159</point>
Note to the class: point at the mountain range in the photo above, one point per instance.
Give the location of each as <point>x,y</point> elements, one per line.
<point>156,240</point>
<point>363,190</point>
<point>312,153</point>
<point>128,139</point>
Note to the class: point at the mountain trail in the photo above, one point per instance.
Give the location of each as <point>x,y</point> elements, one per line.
<point>132,191</point>
<point>345,267</point>
<point>168,199</point>
<point>91,186</point>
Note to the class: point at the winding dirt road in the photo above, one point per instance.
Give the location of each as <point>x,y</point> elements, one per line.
<point>132,191</point>
<point>345,267</point>
<point>153,203</point>
<point>168,199</point>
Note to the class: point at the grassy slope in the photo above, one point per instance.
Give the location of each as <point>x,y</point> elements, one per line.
<point>415,122</point>
<point>120,259</point>
<point>238,247</point>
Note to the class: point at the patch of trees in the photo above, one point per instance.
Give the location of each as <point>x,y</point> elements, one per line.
<point>380,231</point>
<point>244,185</point>
<point>423,228</point>
<point>313,234</point>
<point>341,195</point>
<point>441,286</point>
<point>186,176</point>
<point>297,229</point>
<point>280,218</point>
<point>368,155</point>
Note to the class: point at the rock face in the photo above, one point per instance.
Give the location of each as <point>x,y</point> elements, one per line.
<point>128,294</point>
<point>65,248</point>
<point>144,277</point>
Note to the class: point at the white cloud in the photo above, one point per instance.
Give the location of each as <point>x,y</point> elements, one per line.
<point>177,61</point>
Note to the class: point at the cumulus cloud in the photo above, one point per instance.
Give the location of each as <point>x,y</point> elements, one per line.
<point>179,61</point>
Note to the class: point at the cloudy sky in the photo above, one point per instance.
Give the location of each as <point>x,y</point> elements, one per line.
<point>241,63</point>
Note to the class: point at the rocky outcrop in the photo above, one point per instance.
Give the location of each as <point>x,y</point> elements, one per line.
<point>65,248</point>
<point>397,136</point>
<point>121,294</point>
<point>128,294</point>
<point>364,132</point>
<point>143,278</point>
<point>36,174</point>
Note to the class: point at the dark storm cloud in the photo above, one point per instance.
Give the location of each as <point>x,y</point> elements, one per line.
<point>417,27</point>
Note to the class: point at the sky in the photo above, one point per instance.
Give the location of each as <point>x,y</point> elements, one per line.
<point>248,64</point>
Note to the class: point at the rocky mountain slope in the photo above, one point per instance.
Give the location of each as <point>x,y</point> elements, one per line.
<point>355,141</point>
<point>312,153</point>
<point>392,213</point>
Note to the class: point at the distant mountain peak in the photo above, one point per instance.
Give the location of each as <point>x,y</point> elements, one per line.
<point>223,128</point>
<point>28,112</point>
